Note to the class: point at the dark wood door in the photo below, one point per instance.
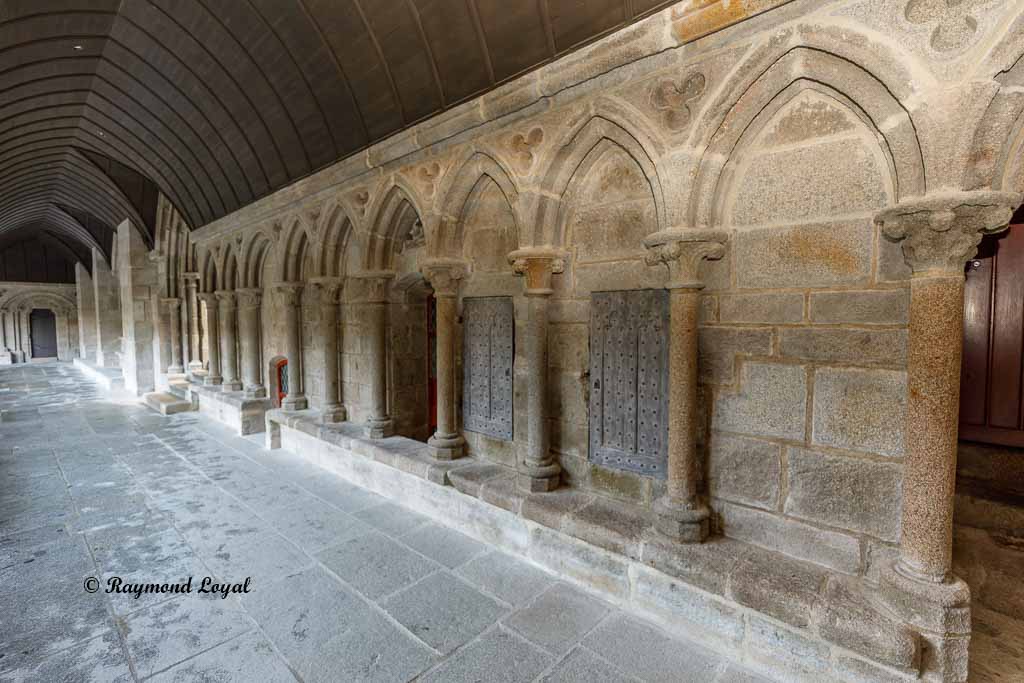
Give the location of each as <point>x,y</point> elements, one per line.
<point>991,407</point>
<point>43,327</point>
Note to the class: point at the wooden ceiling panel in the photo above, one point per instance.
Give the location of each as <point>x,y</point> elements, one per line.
<point>221,102</point>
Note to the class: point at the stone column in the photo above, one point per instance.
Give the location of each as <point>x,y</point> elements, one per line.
<point>537,265</point>
<point>681,513</point>
<point>107,299</point>
<point>25,336</point>
<point>228,340</point>
<point>328,291</point>
<point>249,340</point>
<point>379,425</point>
<point>166,330</point>
<point>195,356</point>
<point>213,376</point>
<point>291,301</point>
<point>940,234</point>
<point>86,294</point>
<point>174,317</point>
<point>444,275</point>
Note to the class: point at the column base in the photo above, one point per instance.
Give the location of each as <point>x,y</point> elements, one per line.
<point>447,446</point>
<point>195,365</point>
<point>940,612</point>
<point>213,380</point>
<point>233,385</point>
<point>681,522</point>
<point>255,391</point>
<point>380,427</point>
<point>333,413</point>
<point>540,478</point>
<point>294,403</point>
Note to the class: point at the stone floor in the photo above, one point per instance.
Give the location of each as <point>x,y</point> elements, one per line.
<point>345,585</point>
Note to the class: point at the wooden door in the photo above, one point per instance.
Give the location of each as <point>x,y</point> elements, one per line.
<point>991,407</point>
<point>43,328</point>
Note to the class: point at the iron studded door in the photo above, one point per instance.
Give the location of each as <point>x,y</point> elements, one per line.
<point>629,380</point>
<point>488,354</point>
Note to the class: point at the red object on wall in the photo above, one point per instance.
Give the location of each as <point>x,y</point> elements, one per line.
<point>282,381</point>
<point>991,405</point>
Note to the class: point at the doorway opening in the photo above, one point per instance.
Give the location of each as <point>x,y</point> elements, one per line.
<point>278,377</point>
<point>43,330</point>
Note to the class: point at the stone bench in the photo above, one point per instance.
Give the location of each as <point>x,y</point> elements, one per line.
<point>795,619</point>
<point>232,408</point>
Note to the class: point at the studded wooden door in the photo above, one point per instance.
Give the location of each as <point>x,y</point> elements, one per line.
<point>488,353</point>
<point>629,380</point>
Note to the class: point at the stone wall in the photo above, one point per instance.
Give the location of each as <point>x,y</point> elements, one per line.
<point>18,300</point>
<point>790,131</point>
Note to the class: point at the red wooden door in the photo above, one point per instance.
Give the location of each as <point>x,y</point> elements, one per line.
<point>991,407</point>
<point>282,381</point>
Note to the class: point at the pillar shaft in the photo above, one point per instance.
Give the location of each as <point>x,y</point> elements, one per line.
<point>540,472</point>
<point>195,356</point>
<point>681,513</point>
<point>249,341</point>
<point>174,316</point>
<point>327,292</point>
<point>940,234</point>
<point>209,301</point>
<point>375,287</point>
<point>444,275</point>
<point>228,340</point>
<point>168,332</point>
<point>291,301</point>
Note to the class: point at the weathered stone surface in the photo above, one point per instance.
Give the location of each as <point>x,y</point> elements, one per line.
<point>862,410</point>
<point>850,493</point>
<point>680,605</point>
<point>613,526</point>
<point>848,616</point>
<point>776,585</point>
<point>802,541</point>
<point>744,470</point>
<point>761,308</point>
<point>814,255</point>
<point>845,346</point>
<point>720,346</point>
<point>788,652</point>
<point>771,402</point>
<point>870,307</point>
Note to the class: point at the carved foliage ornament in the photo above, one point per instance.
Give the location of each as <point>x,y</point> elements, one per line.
<point>683,250</point>
<point>444,275</point>
<point>674,99</point>
<point>942,233</point>
<point>537,266</point>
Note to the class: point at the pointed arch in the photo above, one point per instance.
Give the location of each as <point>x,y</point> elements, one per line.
<point>292,251</point>
<point>574,160</point>
<point>466,182</point>
<point>254,257</point>
<point>746,107</point>
<point>396,217</point>
<point>334,229</point>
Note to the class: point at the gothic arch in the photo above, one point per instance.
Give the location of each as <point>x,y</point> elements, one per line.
<point>457,200</point>
<point>797,69</point>
<point>333,232</point>
<point>293,244</point>
<point>394,217</point>
<point>254,256</point>
<point>573,160</point>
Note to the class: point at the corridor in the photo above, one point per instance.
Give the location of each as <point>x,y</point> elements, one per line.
<point>343,585</point>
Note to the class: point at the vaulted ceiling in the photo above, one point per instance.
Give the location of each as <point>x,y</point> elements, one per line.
<point>220,102</point>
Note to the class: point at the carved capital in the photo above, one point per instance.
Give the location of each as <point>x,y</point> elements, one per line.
<point>327,290</point>
<point>208,298</point>
<point>444,275</point>
<point>190,277</point>
<point>683,250</point>
<point>249,298</point>
<point>374,285</point>
<point>940,233</point>
<point>290,293</point>
<point>226,298</point>
<point>537,265</point>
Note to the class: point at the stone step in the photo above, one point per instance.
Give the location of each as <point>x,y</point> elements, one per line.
<point>167,404</point>
<point>178,389</point>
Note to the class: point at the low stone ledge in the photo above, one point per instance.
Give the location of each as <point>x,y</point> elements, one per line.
<point>728,593</point>
<point>233,408</point>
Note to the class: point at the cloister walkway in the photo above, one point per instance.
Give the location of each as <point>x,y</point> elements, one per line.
<point>343,586</point>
